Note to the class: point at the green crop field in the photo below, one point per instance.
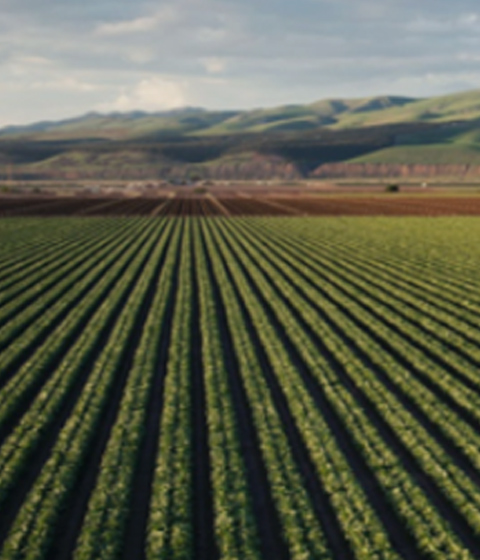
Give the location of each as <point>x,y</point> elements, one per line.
<point>239,388</point>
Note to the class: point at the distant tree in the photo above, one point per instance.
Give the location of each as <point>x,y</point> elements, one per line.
<point>194,177</point>
<point>200,190</point>
<point>392,188</point>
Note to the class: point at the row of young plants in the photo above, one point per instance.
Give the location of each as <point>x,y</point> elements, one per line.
<point>28,240</point>
<point>358,520</point>
<point>235,527</point>
<point>449,365</point>
<point>32,529</point>
<point>453,315</point>
<point>170,519</point>
<point>462,434</point>
<point>36,421</point>
<point>102,529</point>
<point>443,246</point>
<point>336,319</point>
<point>396,261</point>
<point>436,347</point>
<point>43,285</point>
<point>29,313</point>
<point>302,530</point>
<point>61,346</point>
<point>443,317</point>
<point>451,361</point>
<point>35,287</point>
<point>432,408</point>
<point>25,272</point>
<point>432,533</point>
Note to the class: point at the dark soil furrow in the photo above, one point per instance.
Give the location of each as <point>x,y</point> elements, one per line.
<point>66,265</point>
<point>401,539</point>
<point>269,528</point>
<point>50,260</point>
<point>320,500</point>
<point>400,358</point>
<point>134,539</point>
<point>13,502</point>
<point>75,507</point>
<point>429,486</point>
<point>460,458</point>
<point>51,365</point>
<point>52,325</point>
<point>203,517</point>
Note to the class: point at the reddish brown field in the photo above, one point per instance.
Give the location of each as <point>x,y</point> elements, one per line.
<point>245,205</point>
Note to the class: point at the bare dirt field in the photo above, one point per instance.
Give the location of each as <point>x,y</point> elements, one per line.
<point>244,203</point>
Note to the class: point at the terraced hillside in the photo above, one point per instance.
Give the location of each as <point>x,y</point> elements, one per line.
<point>231,388</point>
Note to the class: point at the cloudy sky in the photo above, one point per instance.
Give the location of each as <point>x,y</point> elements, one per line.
<point>62,58</point>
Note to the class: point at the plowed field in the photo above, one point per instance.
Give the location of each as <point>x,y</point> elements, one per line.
<point>301,205</point>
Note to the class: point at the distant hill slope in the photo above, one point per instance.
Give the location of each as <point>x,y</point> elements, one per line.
<point>447,143</point>
<point>330,113</point>
<point>463,106</point>
<point>191,121</point>
<point>120,126</point>
<point>288,141</point>
<point>325,113</point>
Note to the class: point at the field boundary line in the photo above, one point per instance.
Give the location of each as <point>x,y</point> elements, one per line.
<point>219,205</point>
<point>275,204</point>
<point>156,211</point>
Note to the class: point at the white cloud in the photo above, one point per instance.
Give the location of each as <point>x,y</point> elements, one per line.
<point>140,55</point>
<point>468,57</point>
<point>212,35</point>
<point>214,65</point>
<point>33,60</point>
<point>63,58</point>
<point>165,15</point>
<point>468,20</point>
<point>428,25</point>
<point>436,83</point>
<point>150,94</point>
<point>125,27</point>
<point>27,65</point>
<point>65,84</point>
<point>372,9</point>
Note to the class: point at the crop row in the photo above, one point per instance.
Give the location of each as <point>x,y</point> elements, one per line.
<point>239,388</point>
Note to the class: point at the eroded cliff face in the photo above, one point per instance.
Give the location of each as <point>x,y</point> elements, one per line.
<point>366,170</point>
<point>257,166</point>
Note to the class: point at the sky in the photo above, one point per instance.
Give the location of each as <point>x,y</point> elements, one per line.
<point>63,58</point>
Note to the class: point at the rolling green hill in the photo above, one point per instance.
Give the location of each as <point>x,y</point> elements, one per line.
<point>463,106</point>
<point>330,113</point>
<point>432,154</point>
<point>325,113</point>
<point>446,143</point>
<point>190,121</point>
<point>294,139</point>
<point>120,126</point>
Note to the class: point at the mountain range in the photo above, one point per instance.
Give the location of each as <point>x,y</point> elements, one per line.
<point>330,113</point>
<point>291,140</point>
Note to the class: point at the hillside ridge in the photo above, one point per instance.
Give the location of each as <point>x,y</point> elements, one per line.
<point>290,141</point>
